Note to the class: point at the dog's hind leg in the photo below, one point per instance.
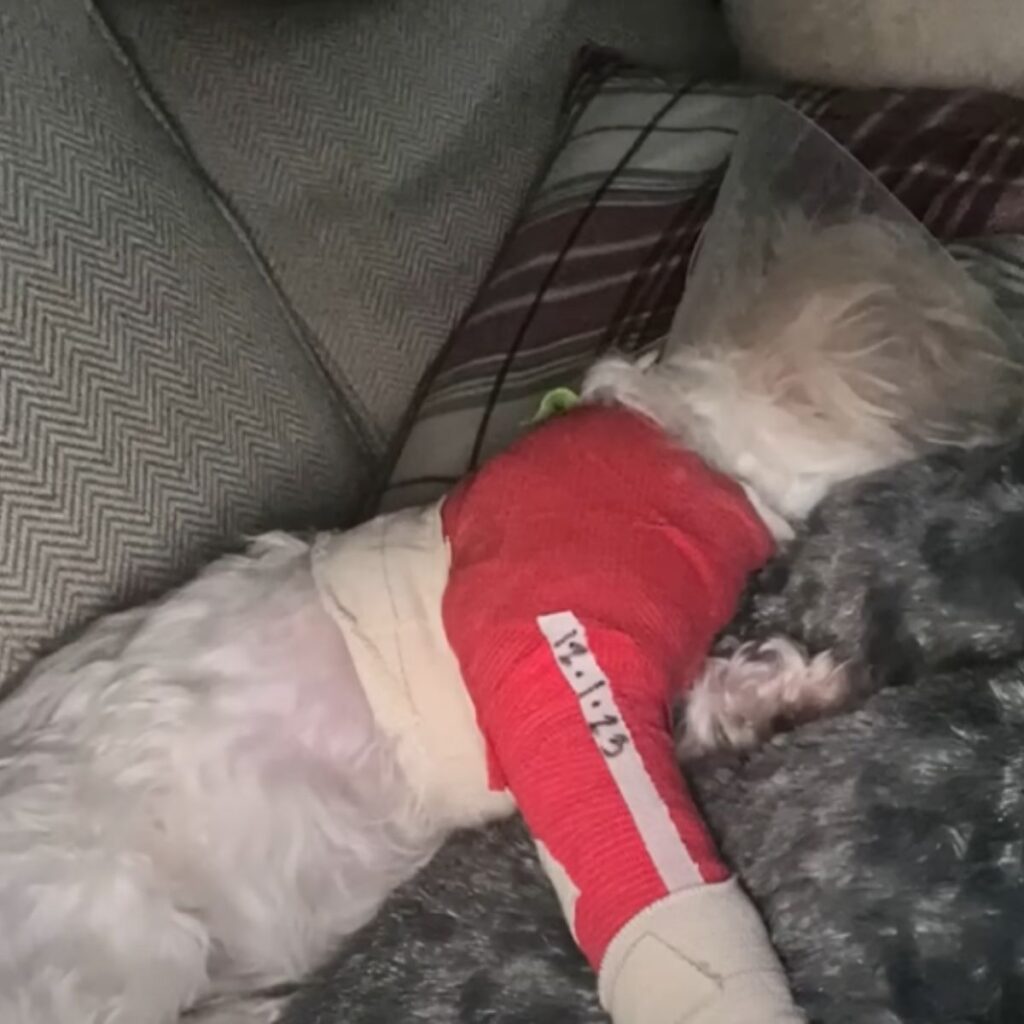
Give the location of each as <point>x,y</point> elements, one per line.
<point>91,938</point>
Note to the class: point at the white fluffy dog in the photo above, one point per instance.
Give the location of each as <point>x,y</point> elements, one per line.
<point>937,43</point>
<point>195,799</point>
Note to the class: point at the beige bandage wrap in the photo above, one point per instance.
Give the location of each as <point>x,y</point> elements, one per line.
<point>699,956</point>
<point>383,583</point>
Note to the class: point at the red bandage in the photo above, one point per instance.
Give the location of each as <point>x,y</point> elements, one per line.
<point>591,566</point>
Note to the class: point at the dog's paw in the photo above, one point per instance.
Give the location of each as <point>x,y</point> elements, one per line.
<point>742,700</point>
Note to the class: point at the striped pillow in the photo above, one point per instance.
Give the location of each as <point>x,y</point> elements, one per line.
<point>599,256</point>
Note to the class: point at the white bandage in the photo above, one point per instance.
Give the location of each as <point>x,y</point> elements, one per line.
<point>383,584</point>
<point>699,956</point>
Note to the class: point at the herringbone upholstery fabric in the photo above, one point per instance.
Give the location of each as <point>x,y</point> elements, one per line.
<point>378,150</point>
<point>155,401</point>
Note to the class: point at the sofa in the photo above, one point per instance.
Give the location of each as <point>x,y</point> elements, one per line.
<point>235,237</point>
<point>232,237</point>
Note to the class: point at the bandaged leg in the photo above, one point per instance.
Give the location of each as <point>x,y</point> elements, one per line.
<point>698,956</point>
<point>650,903</point>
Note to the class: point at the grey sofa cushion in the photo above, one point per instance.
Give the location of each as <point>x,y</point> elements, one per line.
<point>155,398</point>
<point>378,150</point>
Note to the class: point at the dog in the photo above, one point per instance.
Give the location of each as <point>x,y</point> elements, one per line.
<point>882,846</point>
<point>861,417</point>
<point>196,798</point>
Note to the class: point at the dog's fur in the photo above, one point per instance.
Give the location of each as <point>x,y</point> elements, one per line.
<point>884,846</point>
<point>193,798</point>
<point>935,43</point>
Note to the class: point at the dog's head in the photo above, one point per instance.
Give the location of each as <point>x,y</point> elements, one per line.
<point>843,357</point>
